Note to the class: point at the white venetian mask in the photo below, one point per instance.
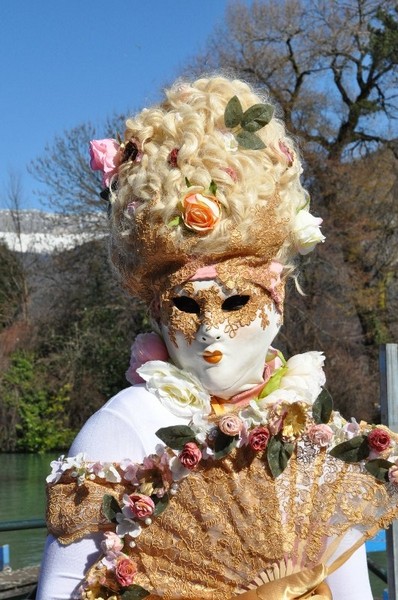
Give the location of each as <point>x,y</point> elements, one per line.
<point>220,335</point>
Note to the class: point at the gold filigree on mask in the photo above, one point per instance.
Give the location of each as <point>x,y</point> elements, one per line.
<point>212,308</point>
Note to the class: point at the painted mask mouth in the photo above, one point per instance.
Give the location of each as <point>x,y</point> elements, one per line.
<point>212,357</point>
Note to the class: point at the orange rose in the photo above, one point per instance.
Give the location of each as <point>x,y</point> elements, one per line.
<point>201,212</point>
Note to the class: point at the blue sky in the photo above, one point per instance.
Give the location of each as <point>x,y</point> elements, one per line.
<point>64,62</point>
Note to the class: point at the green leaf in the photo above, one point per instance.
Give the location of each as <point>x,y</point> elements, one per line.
<point>322,407</point>
<point>213,188</point>
<point>233,113</point>
<point>379,468</point>
<point>352,451</point>
<point>110,507</point>
<point>160,504</point>
<point>249,140</point>
<point>176,436</point>
<point>256,117</point>
<point>278,455</point>
<point>174,222</point>
<point>134,592</point>
<point>224,444</point>
<point>187,182</point>
<point>274,382</point>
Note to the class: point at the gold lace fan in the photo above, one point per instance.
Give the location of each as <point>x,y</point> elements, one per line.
<point>232,527</point>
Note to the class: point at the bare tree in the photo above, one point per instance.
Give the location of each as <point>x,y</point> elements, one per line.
<point>332,66</point>
<point>69,184</point>
<point>15,206</point>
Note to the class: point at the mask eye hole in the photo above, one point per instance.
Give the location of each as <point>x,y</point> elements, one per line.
<point>235,302</point>
<point>186,304</point>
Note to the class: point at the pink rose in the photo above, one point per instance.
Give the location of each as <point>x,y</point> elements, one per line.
<point>230,425</point>
<point>379,439</point>
<point>141,506</point>
<point>393,474</point>
<point>147,346</point>
<point>190,455</point>
<point>111,543</point>
<point>321,435</point>
<point>105,157</point>
<point>125,571</point>
<point>258,439</point>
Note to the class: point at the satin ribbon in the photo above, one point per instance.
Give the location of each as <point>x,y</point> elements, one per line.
<point>305,584</point>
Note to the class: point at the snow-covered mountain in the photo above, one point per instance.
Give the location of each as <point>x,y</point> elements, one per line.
<point>41,232</point>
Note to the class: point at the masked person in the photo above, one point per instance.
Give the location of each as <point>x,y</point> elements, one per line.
<point>224,473</point>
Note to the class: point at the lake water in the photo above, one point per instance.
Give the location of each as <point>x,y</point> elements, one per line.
<point>22,496</point>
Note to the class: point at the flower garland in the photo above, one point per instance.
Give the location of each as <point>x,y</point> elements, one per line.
<point>292,406</point>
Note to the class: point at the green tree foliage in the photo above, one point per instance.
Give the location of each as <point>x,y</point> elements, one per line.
<point>33,414</point>
<point>89,327</point>
<point>79,348</point>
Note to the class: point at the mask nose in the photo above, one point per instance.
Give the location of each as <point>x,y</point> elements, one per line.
<point>208,335</point>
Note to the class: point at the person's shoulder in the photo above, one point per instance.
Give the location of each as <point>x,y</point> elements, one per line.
<point>132,397</point>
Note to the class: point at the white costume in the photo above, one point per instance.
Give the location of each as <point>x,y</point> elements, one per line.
<point>207,213</point>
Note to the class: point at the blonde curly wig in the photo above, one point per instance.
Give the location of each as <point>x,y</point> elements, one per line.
<point>184,141</point>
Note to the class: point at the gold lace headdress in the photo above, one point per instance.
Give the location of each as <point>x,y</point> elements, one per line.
<point>208,175</point>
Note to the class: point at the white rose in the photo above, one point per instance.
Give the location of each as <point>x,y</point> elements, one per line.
<point>306,231</point>
<point>305,375</point>
<point>180,392</point>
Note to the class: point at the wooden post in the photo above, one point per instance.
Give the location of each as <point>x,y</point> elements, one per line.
<point>389,417</point>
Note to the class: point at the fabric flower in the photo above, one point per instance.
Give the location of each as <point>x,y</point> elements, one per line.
<point>201,212</point>
<point>190,455</point>
<point>105,157</point>
<point>172,159</point>
<point>230,425</point>
<point>393,474</point>
<point>129,469</point>
<point>57,469</point>
<point>111,543</point>
<point>230,142</point>
<point>286,152</point>
<point>306,232</point>
<point>155,476</point>
<point>180,392</point>
<point>321,435</point>
<point>125,571</point>
<point>294,420</point>
<point>258,439</point>
<point>105,471</point>
<point>232,173</point>
<point>352,429</point>
<point>141,506</point>
<point>146,347</point>
<point>305,375</point>
<point>379,439</point>
<point>126,525</point>
<point>130,152</point>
